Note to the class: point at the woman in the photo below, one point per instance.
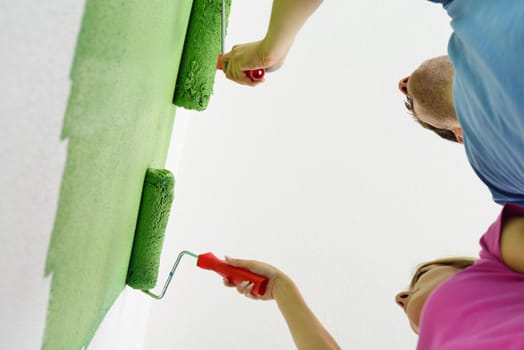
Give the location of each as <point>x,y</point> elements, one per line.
<point>452,304</point>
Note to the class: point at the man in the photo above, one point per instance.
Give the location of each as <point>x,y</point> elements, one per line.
<point>479,100</point>
<point>481,104</point>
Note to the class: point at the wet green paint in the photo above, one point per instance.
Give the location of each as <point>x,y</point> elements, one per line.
<point>118,123</point>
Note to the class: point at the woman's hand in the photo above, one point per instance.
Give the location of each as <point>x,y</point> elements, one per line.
<point>276,278</point>
<point>306,330</point>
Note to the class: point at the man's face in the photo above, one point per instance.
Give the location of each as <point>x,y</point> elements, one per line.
<point>429,88</point>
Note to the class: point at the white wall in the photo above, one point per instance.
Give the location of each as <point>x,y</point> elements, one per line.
<point>321,172</point>
<point>37,44</point>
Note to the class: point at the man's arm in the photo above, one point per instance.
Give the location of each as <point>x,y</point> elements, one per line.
<point>287,17</point>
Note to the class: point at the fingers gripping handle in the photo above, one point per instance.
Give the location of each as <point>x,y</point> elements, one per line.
<point>235,275</point>
<point>254,75</point>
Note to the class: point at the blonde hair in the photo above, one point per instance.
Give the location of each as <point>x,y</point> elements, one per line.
<point>456,262</point>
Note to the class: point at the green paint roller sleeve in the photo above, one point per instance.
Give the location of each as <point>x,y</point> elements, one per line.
<point>157,197</point>
<point>202,45</point>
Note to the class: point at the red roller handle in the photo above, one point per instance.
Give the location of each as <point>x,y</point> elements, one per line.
<point>254,75</point>
<point>235,275</point>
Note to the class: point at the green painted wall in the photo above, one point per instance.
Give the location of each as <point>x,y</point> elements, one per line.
<point>118,123</point>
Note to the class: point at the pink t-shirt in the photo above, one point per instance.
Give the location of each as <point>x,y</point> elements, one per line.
<point>481,307</point>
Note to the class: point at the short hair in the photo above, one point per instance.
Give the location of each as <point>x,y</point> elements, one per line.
<point>456,262</point>
<point>444,133</point>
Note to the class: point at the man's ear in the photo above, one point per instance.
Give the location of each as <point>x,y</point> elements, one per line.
<point>458,134</point>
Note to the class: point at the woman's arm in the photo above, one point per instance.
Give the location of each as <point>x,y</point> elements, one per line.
<point>306,330</point>
<point>287,17</point>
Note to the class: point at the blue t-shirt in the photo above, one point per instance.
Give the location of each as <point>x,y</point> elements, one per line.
<point>487,53</point>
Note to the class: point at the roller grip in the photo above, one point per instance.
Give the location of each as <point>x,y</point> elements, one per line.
<point>254,75</point>
<point>235,275</point>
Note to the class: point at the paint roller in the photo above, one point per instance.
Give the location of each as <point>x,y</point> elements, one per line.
<point>254,74</point>
<point>155,205</point>
<point>204,42</point>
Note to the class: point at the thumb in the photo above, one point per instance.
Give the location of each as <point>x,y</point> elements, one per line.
<point>234,262</point>
<point>250,265</point>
